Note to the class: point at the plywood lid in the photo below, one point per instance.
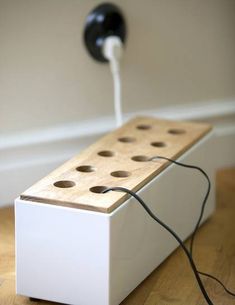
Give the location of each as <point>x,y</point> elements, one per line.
<point>118,159</point>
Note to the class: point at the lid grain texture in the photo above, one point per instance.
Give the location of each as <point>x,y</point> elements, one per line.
<point>118,159</point>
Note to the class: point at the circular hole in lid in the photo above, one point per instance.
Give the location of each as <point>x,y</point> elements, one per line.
<point>99,189</point>
<point>64,184</point>
<point>143,127</point>
<point>176,131</point>
<point>85,169</point>
<point>140,158</point>
<point>120,174</point>
<point>158,144</point>
<point>127,139</point>
<point>106,153</point>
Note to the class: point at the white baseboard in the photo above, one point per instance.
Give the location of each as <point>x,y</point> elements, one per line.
<point>27,156</point>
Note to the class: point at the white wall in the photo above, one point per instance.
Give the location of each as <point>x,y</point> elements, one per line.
<point>54,99</point>
<point>178,52</point>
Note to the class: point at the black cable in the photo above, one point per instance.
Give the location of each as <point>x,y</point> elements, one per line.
<point>151,214</point>
<point>204,200</point>
<point>189,253</point>
<point>200,215</point>
<point>217,280</point>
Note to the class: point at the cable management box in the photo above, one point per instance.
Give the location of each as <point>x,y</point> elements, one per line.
<point>76,245</point>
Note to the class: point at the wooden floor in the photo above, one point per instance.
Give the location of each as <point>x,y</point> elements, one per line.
<point>173,282</point>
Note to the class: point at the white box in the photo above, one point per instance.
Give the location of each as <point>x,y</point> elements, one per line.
<point>82,257</point>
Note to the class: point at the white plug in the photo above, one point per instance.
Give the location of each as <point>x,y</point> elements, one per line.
<point>112,51</point>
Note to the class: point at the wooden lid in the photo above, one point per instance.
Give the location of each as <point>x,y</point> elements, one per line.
<point>118,159</point>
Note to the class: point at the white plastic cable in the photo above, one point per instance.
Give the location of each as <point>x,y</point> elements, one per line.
<point>117,98</point>
<point>112,51</point>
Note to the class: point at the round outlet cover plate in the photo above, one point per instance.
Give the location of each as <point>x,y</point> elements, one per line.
<point>103,21</point>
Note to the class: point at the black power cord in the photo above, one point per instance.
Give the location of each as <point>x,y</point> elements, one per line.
<point>189,253</point>
<point>172,232</point>
<point>218,281</point>
<point>204,200</point>
<point>200,215</point>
